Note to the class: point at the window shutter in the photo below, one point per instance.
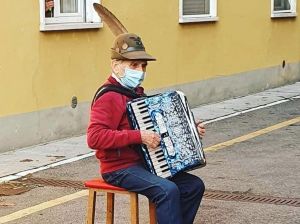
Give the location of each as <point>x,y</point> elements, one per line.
<point>195,7</point>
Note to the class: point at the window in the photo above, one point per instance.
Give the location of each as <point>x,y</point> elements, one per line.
<point>68,14</point>
<point>283,8</point>
<point>197,11</point>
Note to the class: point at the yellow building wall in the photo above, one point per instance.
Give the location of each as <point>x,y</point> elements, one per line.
<point>41,70</point>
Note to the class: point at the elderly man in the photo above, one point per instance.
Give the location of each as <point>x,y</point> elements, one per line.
<point>177,199</point>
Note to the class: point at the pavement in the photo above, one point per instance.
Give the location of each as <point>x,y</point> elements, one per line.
<point>18,163</point>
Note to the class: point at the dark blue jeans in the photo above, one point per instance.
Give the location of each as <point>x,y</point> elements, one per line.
<point>177,199</point>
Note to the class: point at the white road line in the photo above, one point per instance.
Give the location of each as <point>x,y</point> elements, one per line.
<point>42,206</point>
<point>62,162</point>
<point>251,109</point>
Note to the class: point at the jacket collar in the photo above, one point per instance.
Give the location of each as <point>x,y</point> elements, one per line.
<point>111,80</point>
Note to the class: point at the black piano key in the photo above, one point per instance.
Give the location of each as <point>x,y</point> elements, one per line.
<point>159,156</point>
<point>140,103</point>
<point>159,165</point>
<point>165,170</point>
<point>148,121</point>
<point>165,165</point>
<point>151,127</point>
<point>160,151</point>
<point>154,154</point>
<point>144,120</point>
<point>143,107</point>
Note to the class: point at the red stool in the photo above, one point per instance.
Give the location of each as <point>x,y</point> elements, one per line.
<point>99,185</point>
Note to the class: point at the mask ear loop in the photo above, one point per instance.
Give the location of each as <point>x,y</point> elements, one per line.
<point>121,76</point>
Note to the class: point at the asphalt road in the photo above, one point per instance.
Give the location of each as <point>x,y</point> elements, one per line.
<point>267,165</point>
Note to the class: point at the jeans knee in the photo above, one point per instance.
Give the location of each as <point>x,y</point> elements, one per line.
<point>170,192</point>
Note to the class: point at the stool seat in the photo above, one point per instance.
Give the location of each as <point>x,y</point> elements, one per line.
<point>99,185</point>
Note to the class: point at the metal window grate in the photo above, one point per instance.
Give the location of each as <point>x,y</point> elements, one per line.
<point>229,196</point>
<point>209,194</point>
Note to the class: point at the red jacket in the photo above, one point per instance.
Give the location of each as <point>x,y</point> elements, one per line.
<point>109,131</point>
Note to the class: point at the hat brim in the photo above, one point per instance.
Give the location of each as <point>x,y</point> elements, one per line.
<point>134,55</point>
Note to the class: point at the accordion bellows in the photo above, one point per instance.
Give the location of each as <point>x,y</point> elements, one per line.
<point>169,115</point>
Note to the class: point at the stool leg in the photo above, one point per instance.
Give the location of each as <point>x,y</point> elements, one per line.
<point>91,207</point>
<point>134,206</point>
<point>110,204</point>
<point>152,213</point>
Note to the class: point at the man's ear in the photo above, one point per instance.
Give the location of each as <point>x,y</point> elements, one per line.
<point>115,66</point>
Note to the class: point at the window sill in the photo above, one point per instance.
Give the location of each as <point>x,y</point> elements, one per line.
<point>283,14</point>
<point>198,20</point>
<point>70,26</point>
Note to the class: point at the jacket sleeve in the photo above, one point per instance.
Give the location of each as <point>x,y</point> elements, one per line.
<point>105,117</point>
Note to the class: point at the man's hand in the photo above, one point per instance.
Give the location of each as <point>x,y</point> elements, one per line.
<point>201,128</point>
<point>150,138</point>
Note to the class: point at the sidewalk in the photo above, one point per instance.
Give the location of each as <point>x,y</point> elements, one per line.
<point>15,164</point>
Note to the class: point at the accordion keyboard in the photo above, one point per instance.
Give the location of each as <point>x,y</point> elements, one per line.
<point>156,155</point>
<point>168,114</point>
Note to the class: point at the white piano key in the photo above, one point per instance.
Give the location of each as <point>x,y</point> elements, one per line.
<point>146,121</point>
<point>144,118</point>
<point>167,174</point>
<point>160,161</point>
<point>159,174</point>
<point>140,115</point>
<point>163,174</point>
<point>141,112</point>
<point>156,161</point>
<point>161,165</point>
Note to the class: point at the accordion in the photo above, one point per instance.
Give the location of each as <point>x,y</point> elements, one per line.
<point>169,115</point>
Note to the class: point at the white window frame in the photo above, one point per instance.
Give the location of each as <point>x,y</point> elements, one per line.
<point>212,16</point>
<point>284,13</point>
<point>86,18</point>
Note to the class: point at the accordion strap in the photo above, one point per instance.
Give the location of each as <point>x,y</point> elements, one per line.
<point>113,88</point>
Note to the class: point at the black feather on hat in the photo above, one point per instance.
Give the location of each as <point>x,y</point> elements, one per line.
<point>127,46</point>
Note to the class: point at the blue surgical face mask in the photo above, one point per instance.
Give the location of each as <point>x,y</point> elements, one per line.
<point>132,78</point>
